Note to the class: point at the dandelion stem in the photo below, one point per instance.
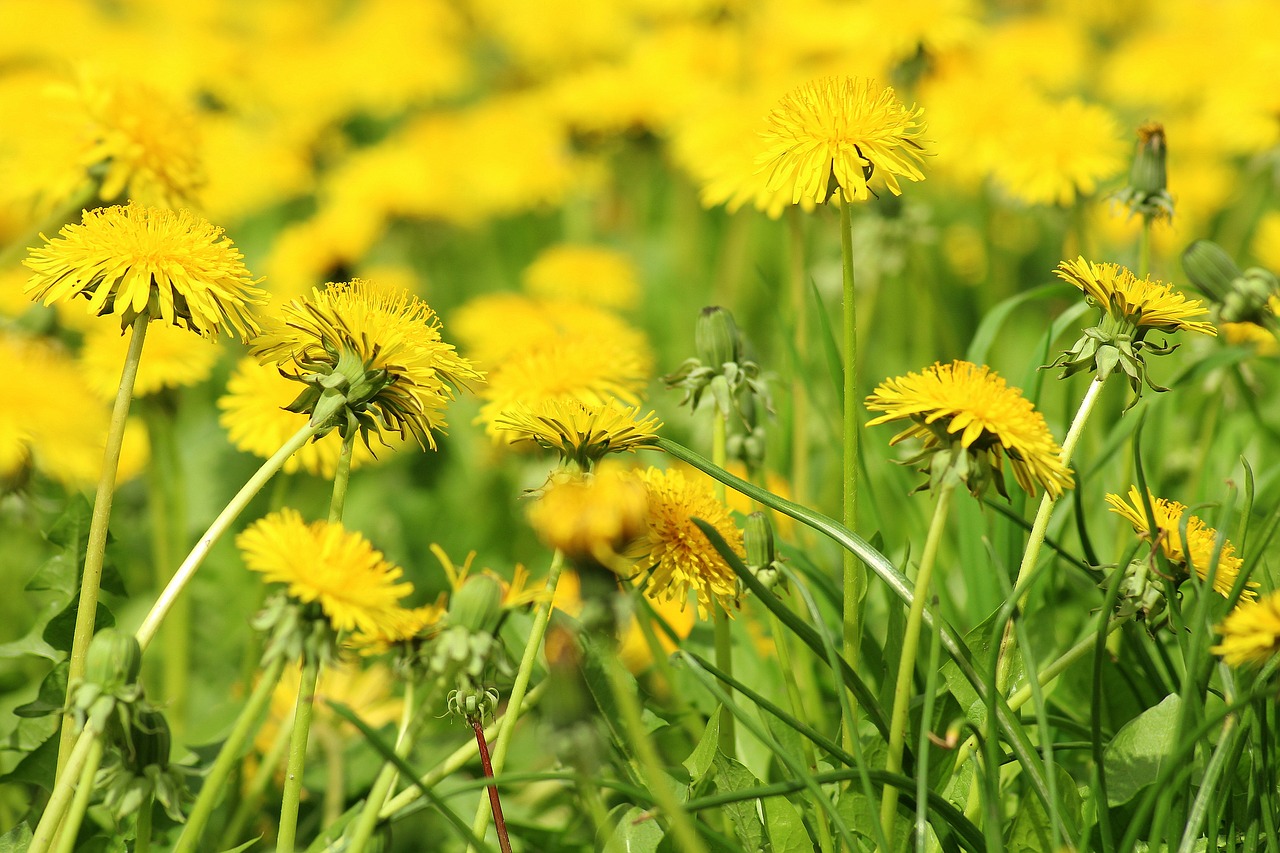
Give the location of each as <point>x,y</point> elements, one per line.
<point>723,634</point>
<point>368,819</point>
<point>1038,529</point>
<point>297,755</point>
<point>220,524</point>
<point>1144,248</point>
<point>854,573</point>
<point>91,579</point>
<point>505,731</point>
<point>231,752</point>
<point>799,394</point>
<point>70,828</point>
<point>65,787</point>
<point>910,647</point>
<point>142,834</point>
<point>495,804</point>
<point>341,477</point>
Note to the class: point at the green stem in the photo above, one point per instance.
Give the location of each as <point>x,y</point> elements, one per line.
<point>367,822</point>
<point>341,477</point>
<point>684,835</point>
<point>249,804</point>
<point>1144,248</point>
<point>910,647</point>
<point>64,788</point>
<point>187,570</point>
<point>229,755</point>
<point>297,756</point>
<point>799,395</point>
<point>507,729</point>
<point>91,579</point>
<point>70,828</point>
<point>723,627</point>
<point>166,500</point>
<point>854,573</point>
<point>142,834</point>
<point>1038,529</point>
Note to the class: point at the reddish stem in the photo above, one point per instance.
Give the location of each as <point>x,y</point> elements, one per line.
<point>499,824</point>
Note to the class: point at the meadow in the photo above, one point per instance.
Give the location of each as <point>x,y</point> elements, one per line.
<point>645,425</point>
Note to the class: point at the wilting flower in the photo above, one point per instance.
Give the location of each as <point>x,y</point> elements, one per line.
<point>1197,549</point>
<point>967,408</point>
<point>593,274</point>
<point>591,516</point>
<point>677,551</point>
<point>132,260</point>
<point>581,432</point>
<point>1251,632</point>
<point>841,128</point>
<point>322,562</point>
<point>370,357</point>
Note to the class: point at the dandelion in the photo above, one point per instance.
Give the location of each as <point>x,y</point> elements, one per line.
<point>1145,303</point>
<point>1197,549</point>
<point>496,327</point>
<point>370,357</point>
<point>322,562</point>
<point>591,516</point>
<point>841,128</point>
<point>1251,632</point>
<point>595,275</point>
<point>676,550</point>
<point>967,405</point>
<point>580,432</point>
<point>133,260</point>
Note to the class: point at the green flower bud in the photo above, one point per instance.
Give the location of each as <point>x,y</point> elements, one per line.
<point>477,604</point>
<point>717,338</point>
<point>151,740</point>
<point>1148,175</point>
<point>758,538</point>
<point>114,660</point>
<point>1210,269</point>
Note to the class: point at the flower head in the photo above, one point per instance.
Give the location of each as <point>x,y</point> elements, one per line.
<point>1197,549</point>
<point>132,260</point>
<point>966,407</point>
<point>1251,632</point>
<point>592,274</point>
<point>592,516</point>
<point>322,562</point>
<point>370,357</point>
<point>677,551</point>
<point>578,431</point>
<point>842,128</point>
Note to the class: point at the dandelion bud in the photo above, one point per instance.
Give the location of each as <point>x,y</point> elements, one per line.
<point>1248,301</point>
<point>758,537</point>
<point>717,338</point>
<point>1210,268</point>
<point>1148,174</point>
<point>477,604</point>
<point>114,660</point>
<point>150,738</point>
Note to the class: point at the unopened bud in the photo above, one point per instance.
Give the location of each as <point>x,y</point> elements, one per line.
<point>151,740</point>
<point>716,336</point>
<point>1148,174</point>
<point>1210,268</point>
<point>114,660</point>
<point>758,538</point>
<point>477,604</point>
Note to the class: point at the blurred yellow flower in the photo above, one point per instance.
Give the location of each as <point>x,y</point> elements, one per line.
<point>321,562</point>
<point>1251,632</point>
<point>174,359</point>
<point>169,265</point>
<point>842,128</point>
<point>496,326</point>
<point>591,516</point>
<point>594,275</point>
<point>1054,152</point>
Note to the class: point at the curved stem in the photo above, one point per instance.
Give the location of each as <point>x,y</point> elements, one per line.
<point>91,579</point>
<point>367,822</point>
<point>297,756</point>
<point>495,802</point>
<point>64,788</point>
<point>854,573</point>
<point>910,648</point>
<point>722,626</point>
<point>251,801</point>
<point>341,478</point>
<point>1038,529</point>
<point>230,753</point>
<point>187,570</point>
<point>70,828</point>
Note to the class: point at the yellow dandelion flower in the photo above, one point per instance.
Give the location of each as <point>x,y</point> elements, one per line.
<point>322,562</point>
<point>591,516</point>
<point>970,405</point>
<point>496,326</point>
<point>676,550</point>
<point>401,626</point>
<point>257,420</point>
<point>592,274</point>
<point>844,128</point>
<point>174,359</point>
<point>131,260</point>
<point>396,372</point>
<point>580,431</point>
<point>1198,548</point>
<point>1143,302</point>
<point>1251,632</point>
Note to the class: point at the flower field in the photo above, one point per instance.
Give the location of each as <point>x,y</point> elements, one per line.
<point>645,425</point>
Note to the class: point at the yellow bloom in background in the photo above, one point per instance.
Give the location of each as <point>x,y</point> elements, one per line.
<point>592,274</point>
<point>322,562</point>
<point>497,326</point>
<point>401,626</point>
<point>969,404</point>
<point>580,431</point>
<point>1251,632</point>
<point>677,553</point>
<point>1143,302</point>
<point>846,128</point>
<point>591,516</point>
<point>174,359</point>
<point>385,342</point>
<point>1266,240</point>
<point>130,260</point>
<point>257,421</point>
<point>1198,548</point>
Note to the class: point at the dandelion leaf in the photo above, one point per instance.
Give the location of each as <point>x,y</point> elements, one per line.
<point>1140,749</point>
<point>634,831</point>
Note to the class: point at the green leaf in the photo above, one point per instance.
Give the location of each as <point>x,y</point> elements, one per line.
<point>700,760</point>
<point>16,840</point>
<point>58,633</point>
<point>52,695</point>
<point>994,319</point>
<point>239,847</point>
<point>1030,831</point>
<point>634,831</point>
<point>786,828</point>
<point>732,776</point>
<point>980,641</point>
<point>33,643</point>
<point>37,767</point>
<point>1136,754</point>
<point>58,574</point>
